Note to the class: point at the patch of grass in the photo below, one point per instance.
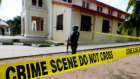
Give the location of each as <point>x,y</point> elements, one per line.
<point>40,43</point>
<point>15,40</point>
<point>10,42</point>
<point>7,42</point>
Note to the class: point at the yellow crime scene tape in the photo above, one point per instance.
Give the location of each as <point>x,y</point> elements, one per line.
<point>56,65</point>
<point>117,35</point>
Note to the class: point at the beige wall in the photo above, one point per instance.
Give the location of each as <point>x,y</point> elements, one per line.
<point>61,35</point>
<point>114,31</point>
<point>85,37</point>
<point>106,37</point>
<point>84,34</point>
<point>23,14</point>
<point>23,30</point>
<point>38,21</point>
<point>94,38</point>
<point>38,14</point>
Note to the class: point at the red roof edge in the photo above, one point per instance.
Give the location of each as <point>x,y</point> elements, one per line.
<point>62,3</point>
<point>96,12</point>
<point>87,10</point>
<point>110,7</point>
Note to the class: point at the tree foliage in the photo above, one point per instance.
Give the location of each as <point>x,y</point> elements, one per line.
<point>15,25</point>
<point>0,2</point>
<point>133,22</point>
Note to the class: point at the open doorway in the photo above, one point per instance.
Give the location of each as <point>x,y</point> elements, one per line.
<point>37,24</point>
<point>106,26</point>
<point>86,23</point>
<point>23,31</point>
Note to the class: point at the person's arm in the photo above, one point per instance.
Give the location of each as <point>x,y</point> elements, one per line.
<point>74,42</point>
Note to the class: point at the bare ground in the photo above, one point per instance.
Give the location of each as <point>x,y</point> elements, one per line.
<point>126,68</point>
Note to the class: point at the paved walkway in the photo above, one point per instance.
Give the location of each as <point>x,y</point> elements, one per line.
<point>23,39</point>
<point>20,51</point>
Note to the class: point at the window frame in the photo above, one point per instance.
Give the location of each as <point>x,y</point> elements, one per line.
<point>62,22</point>
<point>37,4</point>
<point>99,8</point>
<point>81,19</point>
<point>70,2</point>
<point>110,12</point>
<point>43,24</point>
<point>32,3</point>
<point>119,15</point>
<point>126,17</point>
<point>64,0</point>
<point>86,4</point>
<point>33,26</point>
<point>38,17</point>
<point>102,24</point>
<point>83,3</point>
<point>67,1</point>
<point>117,27</point>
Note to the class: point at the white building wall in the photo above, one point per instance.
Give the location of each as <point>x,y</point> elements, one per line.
<point>105,10</point>
<point>50,17</point>
<point>123,16</point>
<point>94,6</point>
<point>78,2</point>
<point>23,15</point>
<point>47,5</point>
<point>23,4</point>
<point>73,1</point>
<point>59,0</point>
<point>115,13</point>
<point>29,4</point>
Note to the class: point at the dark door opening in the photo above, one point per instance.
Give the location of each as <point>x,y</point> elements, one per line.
<point>106,26</point>
<point>85,23</point>
<point>119,32</point>
<point>42,29</point>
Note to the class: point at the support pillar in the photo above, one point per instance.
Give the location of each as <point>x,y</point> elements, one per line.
<point>9,31</point>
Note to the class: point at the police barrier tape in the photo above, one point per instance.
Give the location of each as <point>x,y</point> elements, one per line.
<point>117,35</point>
<point>55,65</point>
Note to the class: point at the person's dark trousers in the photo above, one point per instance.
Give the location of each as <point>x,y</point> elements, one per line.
<point>74,48</point>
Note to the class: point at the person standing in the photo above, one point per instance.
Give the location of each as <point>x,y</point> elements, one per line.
<point>74,39</point>
<point>0,31</point>
<point>3,31</point>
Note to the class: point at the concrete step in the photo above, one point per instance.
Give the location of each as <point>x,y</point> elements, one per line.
<point>22,39</point>
<point>52,41</point>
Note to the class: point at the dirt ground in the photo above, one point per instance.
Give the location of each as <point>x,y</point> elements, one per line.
<point>126,68</point>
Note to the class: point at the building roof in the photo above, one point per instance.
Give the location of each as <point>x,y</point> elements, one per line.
<point>110,7</point>
<point>3,24</point>
<point>93,11</point>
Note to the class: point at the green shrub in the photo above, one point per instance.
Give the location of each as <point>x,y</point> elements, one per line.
<point>11,35</point>
<point>15,40</point>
